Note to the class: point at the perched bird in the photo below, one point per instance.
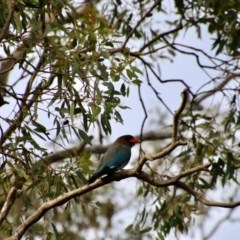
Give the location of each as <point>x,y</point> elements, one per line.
<point>116,157</point>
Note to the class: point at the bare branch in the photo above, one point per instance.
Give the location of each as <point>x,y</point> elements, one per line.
<point>157,76</point>
<point>155,39</point>
<point>173,180</point>
<point>144,110</point>
<point>203,200</point>
<point>173,46</point>
<point>160,154</point>
<point>218,224</point>
<point>98,149</point>
<point>177,114</point>
<point>60,155</point>
<point>8,204</point>
<point>175,143</point>
<point>218,88</point>
<point>52,204</point>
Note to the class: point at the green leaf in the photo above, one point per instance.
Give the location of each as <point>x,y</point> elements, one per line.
<point>40,136</point>
<point>59,82</point>
<point>118,117</point>
<point>123,89</point>
<point>72,111</point>
<point>130,74</point>
<point>116,78</point>
<point>55,230</point>
<point>129,228</point>
<point>145,230</point>
<point>85,137</point>
<point>137,82</point>
<point>140,191</point>
<point>205,184</point>
<point>39,127</point>
<point>103,70</point>
<point>58,128</point>
<point>105,117</point>
<point>96,110</point>
<point>135,69</point>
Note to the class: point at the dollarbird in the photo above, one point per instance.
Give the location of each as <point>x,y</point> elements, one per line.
<point>116,157</point>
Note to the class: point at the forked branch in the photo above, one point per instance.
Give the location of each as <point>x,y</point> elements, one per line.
<point>175,142</point>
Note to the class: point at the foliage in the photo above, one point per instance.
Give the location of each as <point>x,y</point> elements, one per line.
<point>66,70</point>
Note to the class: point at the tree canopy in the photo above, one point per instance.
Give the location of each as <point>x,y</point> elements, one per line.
<point>66,69</point>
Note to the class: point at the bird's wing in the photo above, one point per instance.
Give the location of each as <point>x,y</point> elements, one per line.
<point>117,157</point>
<point>114,159</point>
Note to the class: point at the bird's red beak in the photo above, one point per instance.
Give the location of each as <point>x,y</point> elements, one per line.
<point>134,140</point>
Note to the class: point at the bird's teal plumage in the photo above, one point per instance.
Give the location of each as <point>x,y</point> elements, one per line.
<point>116,157</point>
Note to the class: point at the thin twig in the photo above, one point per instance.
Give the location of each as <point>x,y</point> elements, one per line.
<point>143,107</point>
<point>216,89</point>
<point>155,39</point>
<point>218,224</point>
<point>140,21</point>
<point>203,200</point>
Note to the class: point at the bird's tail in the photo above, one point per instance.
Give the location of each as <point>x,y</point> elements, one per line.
<point>100,172</point>
<point>94,177</point>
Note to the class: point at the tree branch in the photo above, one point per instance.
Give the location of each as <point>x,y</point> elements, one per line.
<point>175,143</point>
<point>200,98</point>
<point>171,181</point>
<point>177,114</point>
<point>139,22</point>
<point>8,204</point>
<point>155,39</point>
<point>52,204</point>
<point>203,200</point>
<point>98,149</point>
<point>60,155</point>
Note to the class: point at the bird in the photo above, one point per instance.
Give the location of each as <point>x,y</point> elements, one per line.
<point>116,157</point>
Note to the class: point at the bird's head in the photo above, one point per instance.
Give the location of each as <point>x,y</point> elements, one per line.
<point>128,139</point>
